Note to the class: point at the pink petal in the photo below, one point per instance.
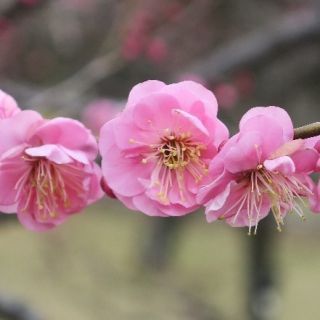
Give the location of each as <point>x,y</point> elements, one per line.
<point>271,133</point>
<point>30,223</point>
<point>18,129</point>
<point>107,190</point>
<point>190,92</point>
<point>305,160</point>
<point>315,198</point>
<point>95,191</point>
<point>11,172</point>
<point>283,164</point>
<point>147,206</point>
<point>122,173</point>
<point>313,142</point>
<point>219,201</point>
<point>8,106</point>
<point>9,209</point>
<point>245,154</point>
<point>210,190</point>
<point>143,89</point>
<point>193,121</point>
<point>51,152</point>
<point>277,114</point>
<point>287,148</point>
<point>155,112</point>
<point>69,133</point>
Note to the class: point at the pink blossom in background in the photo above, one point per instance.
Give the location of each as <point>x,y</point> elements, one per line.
<point>193,77</point>
<point>155,154</point>
<point>98,112</point>
<point>227,95</point>
<point>4,25</point>
<point>244,81</point>
<point>137,35</point>
<point>259,169</point>
<point>173,10</point>
<point>8,106</point>
<point>29,2</point>
<point>157,50</point>
<point>132,47</point>
<point>47,171</point>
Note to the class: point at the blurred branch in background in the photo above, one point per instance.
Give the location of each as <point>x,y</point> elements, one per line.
<point>289,30</point>
<point>247,51</point>
<point>16,9</point>
<point>66,93</point>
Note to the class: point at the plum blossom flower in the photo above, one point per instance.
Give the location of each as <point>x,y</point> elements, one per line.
<point>314,198</point>
<point>8,106</point>
<point>259,169</point>
<point>155,154</point>
<point>47,171</point>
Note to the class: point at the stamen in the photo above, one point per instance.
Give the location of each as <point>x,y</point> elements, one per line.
<point>46,187</point>
<point>175,155</point>
<point>284,192</point>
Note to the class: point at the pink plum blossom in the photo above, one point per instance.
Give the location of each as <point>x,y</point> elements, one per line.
<point>8,106</point>
<point>47,171</point>
<point>98,112</point>
<point>259,169</point>
<point>314,199</point>
<point>155,154</point>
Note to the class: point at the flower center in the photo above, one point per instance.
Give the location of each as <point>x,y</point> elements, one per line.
<point>283,192</point>
<point>176,155</point>
<point>178,151</point>
<point>47,187</point>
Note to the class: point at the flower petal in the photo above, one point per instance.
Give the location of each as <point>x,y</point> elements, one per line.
<point>69,133</point>
<point>143,89</point>
<point>277,114</point>
<point>284,164</point>
<point>49,151</point>
<point>8,106</point>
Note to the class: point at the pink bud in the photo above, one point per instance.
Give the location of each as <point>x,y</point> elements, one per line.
<point>227,95</point>
<point>157,50</point>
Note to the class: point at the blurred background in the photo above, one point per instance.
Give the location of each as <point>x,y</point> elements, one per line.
<point>80,58</point>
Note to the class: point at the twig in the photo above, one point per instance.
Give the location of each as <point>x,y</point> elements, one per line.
<point>19,9</point>
<point>68,90</point>
<point>285,31</point>
<point>307,131</point>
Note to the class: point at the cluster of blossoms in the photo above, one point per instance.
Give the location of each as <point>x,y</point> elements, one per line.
<point>166,154</point>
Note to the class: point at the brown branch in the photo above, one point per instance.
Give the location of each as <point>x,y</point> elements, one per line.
<point>307,131</point>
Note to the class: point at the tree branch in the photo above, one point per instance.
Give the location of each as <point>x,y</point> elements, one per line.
<point>19,9</point>
<point>286,31</point>
<point>66,92</point>
<point>307,131</point>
